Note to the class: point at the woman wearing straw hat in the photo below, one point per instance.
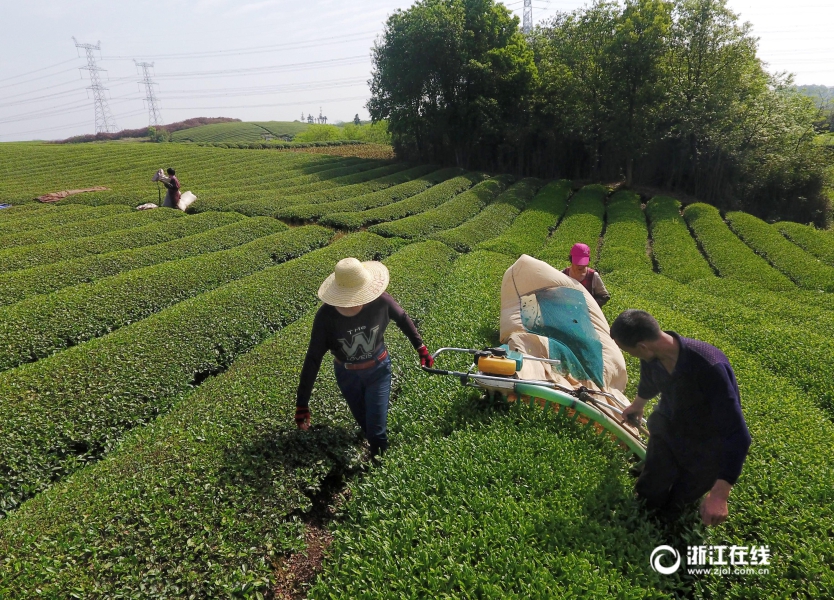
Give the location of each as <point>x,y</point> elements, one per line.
<point>351,324</point>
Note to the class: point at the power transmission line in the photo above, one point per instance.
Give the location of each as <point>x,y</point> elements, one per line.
<point>39,70</point>
<point>104,119</point>
<point>299,103</point>
<point>312,43</point>
<point>154,116</point>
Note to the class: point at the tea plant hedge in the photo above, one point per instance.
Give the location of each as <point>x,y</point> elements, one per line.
<point>519,508</point>
<point>530,229</point>
<point>56,216</point>
<point>626,236</point>
<point>288,181</point>
<point>26,211</point>
<point>293,207</point>
<point>809,238</point>
<point>801,309</point>
<point>729,255</point>
<point>583,222</point>
<point>674,250</point>
<point>803,268</point>
<point>206,500</point>
<point>434,196</point>
<point>447,215</point>
<point>491,221</point>
<point>24,257</point>
<point>18,285</point>
<point>92,227</point>
<point>40,326</point>
<point>63,412</point>
<point>331,213</point>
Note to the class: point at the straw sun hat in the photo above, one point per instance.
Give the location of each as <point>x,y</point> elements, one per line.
<point>354,283</point>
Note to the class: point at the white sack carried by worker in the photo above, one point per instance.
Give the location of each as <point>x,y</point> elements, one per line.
<point>186,200</point>
<point>159,176</point>
<point>547,314</point>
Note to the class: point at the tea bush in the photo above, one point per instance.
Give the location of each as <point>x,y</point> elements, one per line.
<point>729,255</point>
<point>18,285</point>
<point>274,207</point>
<point>291,179</point>
<point>802,267</point>
<point>802,309</point>
<point>493,220</point>
<point>336,214</point>
<point>206,500</point>
<point>673,248</point>
<point>626,236</point>
<point>63,412</point>
<point>582,222</point>
<point>434,196</point>
<point>24,257</point>
<point>530,229</point>
<point>92,227</point>
<point>817,242</point>
<point>27,211</point>
<point>303,210</point>
<point>447,215</point>
<point>56,216</point>
<point>40,326</point>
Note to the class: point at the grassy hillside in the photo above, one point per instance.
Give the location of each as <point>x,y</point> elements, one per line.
<point>149,364</point>
<point>240,132</point>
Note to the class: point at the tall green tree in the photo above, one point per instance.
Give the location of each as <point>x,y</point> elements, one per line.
<point>637,72</point>
<point>451,77</point>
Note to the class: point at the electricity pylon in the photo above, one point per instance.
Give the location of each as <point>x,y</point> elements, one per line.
<point>527,24</point>
<point>154,116</point>
<point>104,119</point>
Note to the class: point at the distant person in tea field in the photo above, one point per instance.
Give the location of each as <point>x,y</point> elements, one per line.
<point>698,439</point>
<point>351,325</point>
<point>172,196</point>
<point>580,256</point>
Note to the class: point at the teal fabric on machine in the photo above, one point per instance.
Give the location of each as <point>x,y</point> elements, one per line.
<point>563,317</point>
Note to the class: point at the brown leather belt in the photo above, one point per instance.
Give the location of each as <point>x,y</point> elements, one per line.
<point>364,365</point>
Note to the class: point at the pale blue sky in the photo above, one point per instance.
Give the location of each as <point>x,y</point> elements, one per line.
<point>264,59</point>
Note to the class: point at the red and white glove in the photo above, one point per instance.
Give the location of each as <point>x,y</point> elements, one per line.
<point>426,359</point>
<point>302,417</point>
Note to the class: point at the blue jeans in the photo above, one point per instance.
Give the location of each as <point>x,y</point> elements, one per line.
<point>367,392</point>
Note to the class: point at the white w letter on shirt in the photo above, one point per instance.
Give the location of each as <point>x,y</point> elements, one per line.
<point>360,340</point>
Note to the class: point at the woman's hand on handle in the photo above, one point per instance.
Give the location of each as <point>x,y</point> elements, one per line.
<point>426,359</point>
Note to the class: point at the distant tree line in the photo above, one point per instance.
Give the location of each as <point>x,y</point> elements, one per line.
<point>157,134</point>
<point>667,94</point>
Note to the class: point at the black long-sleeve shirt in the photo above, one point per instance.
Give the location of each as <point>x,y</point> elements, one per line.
<point>351,339</point>
<point>702,402</point>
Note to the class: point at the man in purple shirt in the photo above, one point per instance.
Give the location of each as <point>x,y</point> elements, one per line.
<point>698,437</point>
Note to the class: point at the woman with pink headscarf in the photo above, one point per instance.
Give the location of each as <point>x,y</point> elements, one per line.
<point>580,256</point>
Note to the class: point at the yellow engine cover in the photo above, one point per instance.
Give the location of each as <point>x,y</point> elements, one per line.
<point>494,365</point>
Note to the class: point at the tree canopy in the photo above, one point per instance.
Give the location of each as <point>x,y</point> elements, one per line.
<point>663,93</point>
